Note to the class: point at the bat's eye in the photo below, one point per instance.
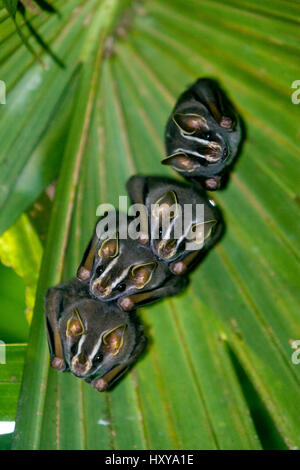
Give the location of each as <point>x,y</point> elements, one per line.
<point>121,287</point>
<point>98,358</point>
<point>160,231</point>
<point>99,270</point>
<point>208,136</point>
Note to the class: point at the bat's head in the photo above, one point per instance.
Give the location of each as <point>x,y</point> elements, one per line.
<point>121,266</point>
<point>202,134</point>
<point>96,337</point>
<point>181,218</point>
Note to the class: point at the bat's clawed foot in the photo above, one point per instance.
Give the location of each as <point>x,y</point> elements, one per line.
<point>58,363</point>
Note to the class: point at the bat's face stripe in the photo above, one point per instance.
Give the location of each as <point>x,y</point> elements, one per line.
<point>84,345</point>
<point>123,275</point>
<point>95,348</point>
<point>194,138</point>
<point>109,267</point>
<point>107,281</point>
<point>81,341</point>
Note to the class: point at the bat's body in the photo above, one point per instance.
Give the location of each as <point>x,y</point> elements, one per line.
<point>203,134</point>
<point>181,224</point>
<point>94,340</point>
<point>126,271</point>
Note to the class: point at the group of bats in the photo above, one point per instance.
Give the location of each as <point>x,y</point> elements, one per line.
<point>92,327</point>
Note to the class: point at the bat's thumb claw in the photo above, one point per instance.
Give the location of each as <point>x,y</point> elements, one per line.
<point>58,363</point>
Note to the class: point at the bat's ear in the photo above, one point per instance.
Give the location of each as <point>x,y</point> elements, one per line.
<point>85,267</point>
<point>201,231</point>
<point>181,162</point>
<point>189,123</point>
<point>74,325</point>
<point>109,248</point>
<point>166,207</point>
<point>113,340</point>
<point>142,274</point>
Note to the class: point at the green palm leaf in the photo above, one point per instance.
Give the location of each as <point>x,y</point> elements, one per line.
<point>218,372</point>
